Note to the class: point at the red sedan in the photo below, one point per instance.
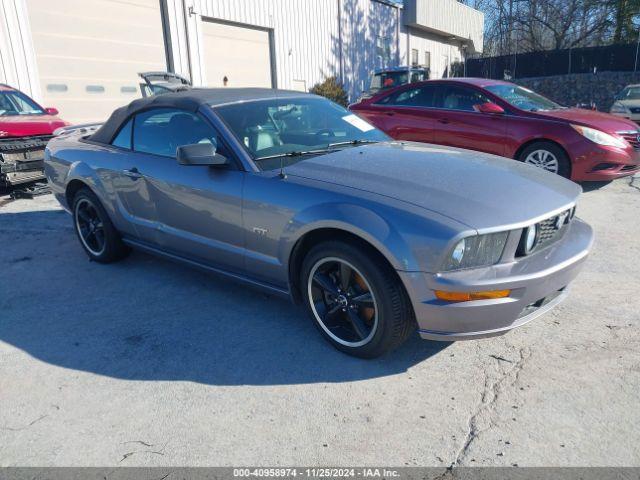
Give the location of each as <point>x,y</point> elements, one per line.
<point>25,129</point>
<point>508,120</point>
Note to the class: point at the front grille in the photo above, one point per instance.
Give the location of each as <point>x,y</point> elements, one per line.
<point>532,307</point>
<point>23,144</point>
<point>632,137</point>
<point>549,231</point>
<point>21,158</point>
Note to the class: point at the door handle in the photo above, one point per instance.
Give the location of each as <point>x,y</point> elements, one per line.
<point>132,173</point>
<point>445,121</point>
<point>390,114</point>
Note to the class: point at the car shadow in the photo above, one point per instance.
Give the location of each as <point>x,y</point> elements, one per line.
<point>145,318</point>
<point>592,186</point>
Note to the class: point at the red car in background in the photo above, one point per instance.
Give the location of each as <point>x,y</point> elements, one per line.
<point>25,129</point>
<point>505,119</point>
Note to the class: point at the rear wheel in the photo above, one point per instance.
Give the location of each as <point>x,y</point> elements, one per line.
<point>548,156</point>
<point>96,233</point>
<point>357,302</point>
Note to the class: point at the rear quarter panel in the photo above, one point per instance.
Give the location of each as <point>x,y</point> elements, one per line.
<point>70,158</point>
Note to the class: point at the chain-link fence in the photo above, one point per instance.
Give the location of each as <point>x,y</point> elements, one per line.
<point>610,58</point>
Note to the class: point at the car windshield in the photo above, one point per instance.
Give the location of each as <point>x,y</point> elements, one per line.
<point>17,103</point>
<point>293,128</point>
<point>384,80</point>
<point>523,98</point>
<point>631,93</point>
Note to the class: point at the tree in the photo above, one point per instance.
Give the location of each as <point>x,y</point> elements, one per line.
<point>513,26</point>
<point>331,89</point>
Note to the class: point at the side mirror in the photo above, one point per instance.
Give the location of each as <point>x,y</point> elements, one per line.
<point>489,107</point>
<point>200,154</point>
<point>51,111</point>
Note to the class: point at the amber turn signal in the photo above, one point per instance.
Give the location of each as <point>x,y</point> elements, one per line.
<point>468,296</point>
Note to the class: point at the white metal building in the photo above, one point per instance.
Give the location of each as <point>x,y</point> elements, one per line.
<point>83,56</point>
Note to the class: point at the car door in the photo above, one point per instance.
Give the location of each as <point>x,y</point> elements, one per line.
<point>198,207</point>
<point>404,114</point>
<point>457,123</point>
<point>136,212</point>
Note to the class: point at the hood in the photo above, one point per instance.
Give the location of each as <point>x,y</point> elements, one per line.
<point>590,118</point>
<point>482,191</point>
<point>29,125</point>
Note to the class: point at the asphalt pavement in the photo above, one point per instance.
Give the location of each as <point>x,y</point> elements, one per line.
<point>146,362</point>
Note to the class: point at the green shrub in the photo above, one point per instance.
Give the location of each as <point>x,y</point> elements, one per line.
<point>331,89</point>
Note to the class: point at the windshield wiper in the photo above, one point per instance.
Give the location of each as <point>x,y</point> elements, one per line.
<point>292,154</point>
<point>351,142</point>
<point>301,153</point>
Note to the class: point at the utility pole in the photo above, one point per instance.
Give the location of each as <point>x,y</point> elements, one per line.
<point>635,66</point>
<point>509,38</point>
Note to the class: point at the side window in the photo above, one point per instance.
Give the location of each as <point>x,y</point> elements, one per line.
<point>411,97</point>
<point>461,98</point>
<point>161,131</point>
<point>123,138</point>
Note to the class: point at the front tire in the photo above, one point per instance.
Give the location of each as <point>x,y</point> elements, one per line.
<point>548,156</point>
<point>356,301</point>
<point>97,235</point>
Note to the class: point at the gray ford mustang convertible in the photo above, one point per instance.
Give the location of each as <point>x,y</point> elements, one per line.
<point>292,193</point>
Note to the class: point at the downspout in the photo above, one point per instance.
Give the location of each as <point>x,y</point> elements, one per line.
<point>398,35</point>
<point>408,46</point>
<point>185,14</point>
<point>340,59</point>
<point>166,34</point>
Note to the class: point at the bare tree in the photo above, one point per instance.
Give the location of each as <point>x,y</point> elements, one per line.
<point>515,26</point>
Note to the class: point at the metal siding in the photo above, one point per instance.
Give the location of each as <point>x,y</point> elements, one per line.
<point>17,57</point>
<point>305,36</point>
<point>433,43</point>
<point>448,17</point>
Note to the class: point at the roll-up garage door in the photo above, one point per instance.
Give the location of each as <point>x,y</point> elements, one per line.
<point>240,54</point>
<point>89,52</point>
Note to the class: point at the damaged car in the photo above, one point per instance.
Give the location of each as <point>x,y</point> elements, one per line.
<point>293,194</point>
<point>25,129</point>
<point>157,83</point>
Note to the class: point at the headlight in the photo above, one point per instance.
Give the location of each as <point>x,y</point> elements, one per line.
<point>477,251</point>
<point>600,137</point>
<point>619,108</point>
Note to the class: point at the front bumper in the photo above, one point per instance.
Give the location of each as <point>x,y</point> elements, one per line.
<point>537,284</point>
<point>598,163</point>
<point>16,173</point>
<point>22,159</point>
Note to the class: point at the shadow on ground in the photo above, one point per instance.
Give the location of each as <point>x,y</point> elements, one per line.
<point>149,319</point>
<point>592,186</point>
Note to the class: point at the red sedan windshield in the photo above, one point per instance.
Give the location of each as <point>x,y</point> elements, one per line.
<point>14,103</point>
<point>522,98</point>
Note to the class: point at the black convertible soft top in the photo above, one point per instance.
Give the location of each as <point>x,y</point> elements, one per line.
<point>189,100</point>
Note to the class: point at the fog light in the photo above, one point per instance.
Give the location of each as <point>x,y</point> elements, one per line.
<point>530,239</point>
<point>469,296</point>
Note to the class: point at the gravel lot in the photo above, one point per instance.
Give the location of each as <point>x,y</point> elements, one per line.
<point>147,362</point>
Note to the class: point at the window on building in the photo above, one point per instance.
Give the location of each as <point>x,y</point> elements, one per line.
<point>383,50</point>
<point>414,56</point>
<point>427,59</point>
<point>161,131</point>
